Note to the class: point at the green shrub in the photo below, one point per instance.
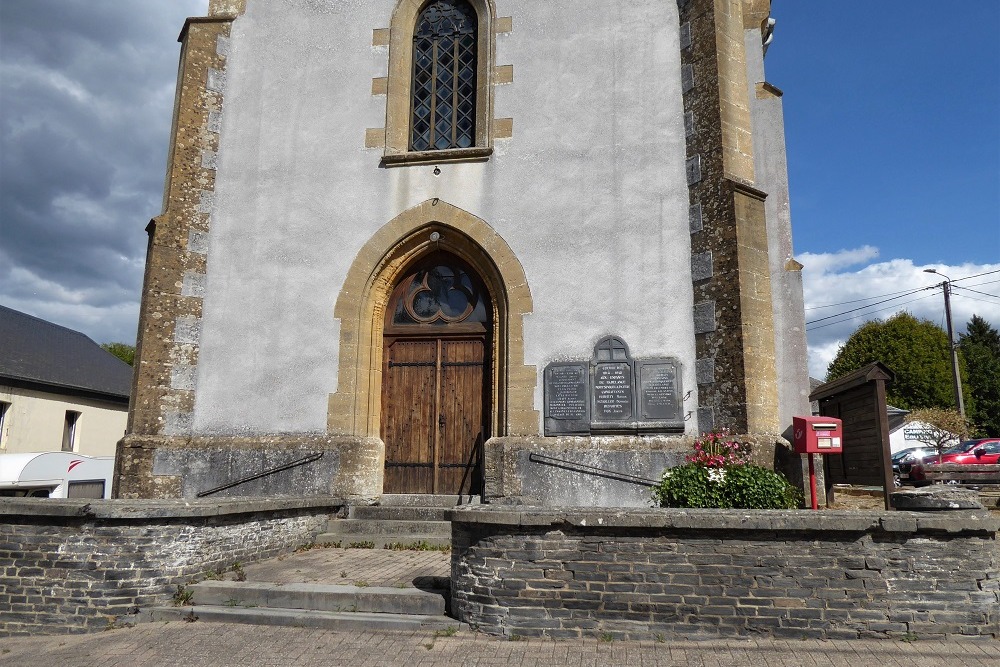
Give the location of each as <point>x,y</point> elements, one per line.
<point>755,488</point>
<point>734,486</point>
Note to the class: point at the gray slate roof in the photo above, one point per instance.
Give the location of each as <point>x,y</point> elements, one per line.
<point>40,352</point>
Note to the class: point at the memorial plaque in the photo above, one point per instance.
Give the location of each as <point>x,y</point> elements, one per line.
<point>613,392</point>
<point>567,398</point>
<point>660,393</point>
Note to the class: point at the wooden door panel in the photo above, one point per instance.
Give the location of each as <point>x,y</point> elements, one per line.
<point>409,418</point>
<point>462,415</point>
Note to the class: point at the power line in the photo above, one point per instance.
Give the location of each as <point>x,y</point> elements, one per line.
<point>830,324</point>
<point>867,298</point>
<point>972,298</point>
<point>995,296</point>
<point>830,317</point>
<point>988,282</point>
<point>977,275</point>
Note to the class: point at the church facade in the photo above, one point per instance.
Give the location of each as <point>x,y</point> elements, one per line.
<point>517,249</point>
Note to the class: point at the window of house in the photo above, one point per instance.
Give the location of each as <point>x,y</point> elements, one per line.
<point>444,77</point>
<point>69,430</point>
<point>4,406</point>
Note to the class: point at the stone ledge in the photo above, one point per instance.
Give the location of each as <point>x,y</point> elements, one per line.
<point>158,509</point>
<point>729,520</point>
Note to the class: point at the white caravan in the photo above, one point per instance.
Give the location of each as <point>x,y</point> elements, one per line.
<point>56,475</point>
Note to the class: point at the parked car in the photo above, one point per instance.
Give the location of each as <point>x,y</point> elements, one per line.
<point>970,452</point>
<point>908,455</point>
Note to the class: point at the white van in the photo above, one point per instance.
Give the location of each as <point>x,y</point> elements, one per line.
<point>56,475</point>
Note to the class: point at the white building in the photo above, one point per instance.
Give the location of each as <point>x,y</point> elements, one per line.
<point>59,391</point>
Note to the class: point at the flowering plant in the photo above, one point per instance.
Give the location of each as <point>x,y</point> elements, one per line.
<point>718,449</point>
<point>718,474</point>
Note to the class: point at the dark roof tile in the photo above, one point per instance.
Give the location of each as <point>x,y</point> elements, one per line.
<point>34,350</point>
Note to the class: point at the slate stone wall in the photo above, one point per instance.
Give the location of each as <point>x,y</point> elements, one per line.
<point>668,573</point>
<point>73,566</point>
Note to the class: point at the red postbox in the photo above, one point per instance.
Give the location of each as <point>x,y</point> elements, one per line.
<point>817,435</point>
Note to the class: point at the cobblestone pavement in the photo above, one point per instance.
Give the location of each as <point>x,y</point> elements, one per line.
<point>375,567</point>
<point>226,645</point>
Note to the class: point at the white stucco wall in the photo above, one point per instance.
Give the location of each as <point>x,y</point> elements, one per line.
<point>590,194</point>
<point>35,420</point>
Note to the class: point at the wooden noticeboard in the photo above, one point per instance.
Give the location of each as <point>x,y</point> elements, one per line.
<point>859,401</point>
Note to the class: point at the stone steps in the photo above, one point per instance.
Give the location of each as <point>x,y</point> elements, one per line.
<point>321,597</point>
<point>397,519</point>
<point>425,500</point>
<point>304,618</point>
<point>364,527</point>
<point>390,512</point>
<point>313,605</point>
<point>405,519</point>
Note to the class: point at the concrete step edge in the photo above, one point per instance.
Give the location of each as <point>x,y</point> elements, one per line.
<point>425,500</point>
<point>380,512</point>
<point>388,526</point>
<point>320,597</point>
<point>301,618</point>
<point>380,541</point>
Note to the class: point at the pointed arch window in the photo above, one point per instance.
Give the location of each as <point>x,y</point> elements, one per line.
<point>445,64</point>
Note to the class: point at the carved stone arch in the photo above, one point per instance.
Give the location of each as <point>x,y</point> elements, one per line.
<point>355,408</point>
<point>397,121</point>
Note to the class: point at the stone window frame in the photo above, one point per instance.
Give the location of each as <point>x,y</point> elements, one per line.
<point>399,88</point>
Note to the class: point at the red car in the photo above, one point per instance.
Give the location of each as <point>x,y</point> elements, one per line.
<point>985,450</point>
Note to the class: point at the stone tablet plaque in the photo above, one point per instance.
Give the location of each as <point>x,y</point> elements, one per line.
<point>660,397</point>
<point>567,398</point>
<point>613,391</point>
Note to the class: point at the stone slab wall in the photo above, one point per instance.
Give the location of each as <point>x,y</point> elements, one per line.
<point>661,573</point>
<point>183,467</point>
<point>73,566</point>
<point>593,471</point>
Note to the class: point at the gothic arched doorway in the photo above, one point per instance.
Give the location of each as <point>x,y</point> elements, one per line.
<point>436,378</point>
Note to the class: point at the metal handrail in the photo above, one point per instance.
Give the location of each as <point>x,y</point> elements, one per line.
<point>591,470</point>
<point>286,466</point>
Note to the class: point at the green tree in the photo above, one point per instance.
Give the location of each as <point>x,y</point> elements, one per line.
<point>915,350</point>
<point>123,351</point>
<point>980,348</point>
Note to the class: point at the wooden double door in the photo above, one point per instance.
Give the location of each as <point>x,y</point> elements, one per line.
<point>435,393</point>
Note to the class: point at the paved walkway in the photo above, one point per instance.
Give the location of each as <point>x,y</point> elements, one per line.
<point>224,645</point>
<point>201,644</point>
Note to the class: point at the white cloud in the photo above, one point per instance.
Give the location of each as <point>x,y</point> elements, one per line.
<point>840,297</point>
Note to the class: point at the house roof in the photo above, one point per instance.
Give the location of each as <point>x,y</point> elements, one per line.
<point>36,352</point>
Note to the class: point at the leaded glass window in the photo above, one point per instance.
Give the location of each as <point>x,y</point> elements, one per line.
<point>444,77</point>
<point>440,294</point>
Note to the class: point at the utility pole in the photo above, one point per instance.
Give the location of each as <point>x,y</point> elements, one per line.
<point>956,376</point>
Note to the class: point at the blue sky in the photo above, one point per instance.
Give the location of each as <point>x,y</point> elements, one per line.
<point>891,109</point>
<point>893,125</point>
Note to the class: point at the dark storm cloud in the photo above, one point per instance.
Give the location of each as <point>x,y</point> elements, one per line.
<point>86,94</point>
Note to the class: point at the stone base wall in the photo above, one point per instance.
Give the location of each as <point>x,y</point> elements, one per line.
<point>567,470</point>
<point>69,566</point>
<point>184,466</point>
<point>574,572</point>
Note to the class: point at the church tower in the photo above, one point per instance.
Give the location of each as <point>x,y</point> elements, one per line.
<point>518,249</point>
